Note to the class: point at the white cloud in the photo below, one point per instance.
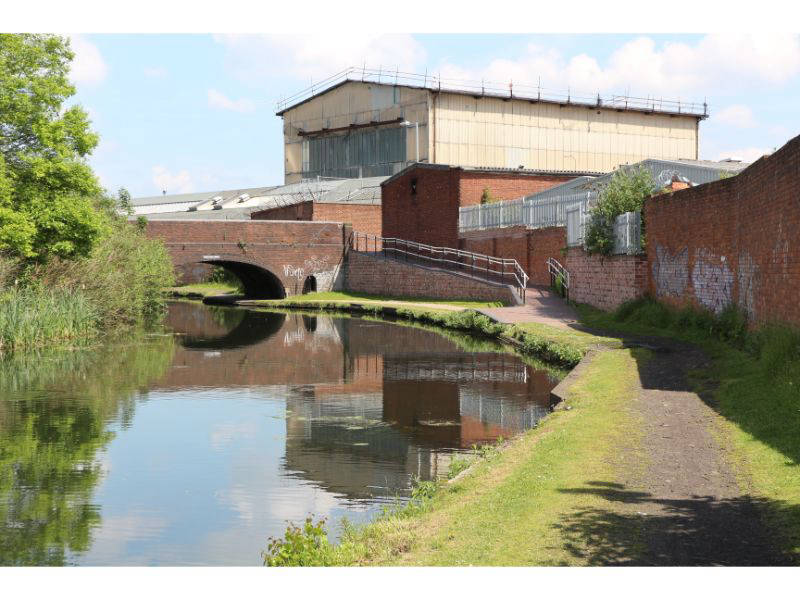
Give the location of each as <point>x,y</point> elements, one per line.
<point>641,67</point>
<point>318,55</point>
<point>737,115</point>
<point>156,72</point>
<point>750,154</point>
<point>179,183</point>
<point>88,66</point>
<point>219,100</point>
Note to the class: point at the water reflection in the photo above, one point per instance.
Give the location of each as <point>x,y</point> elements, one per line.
<point>194,451</point>
<point>54,420</point>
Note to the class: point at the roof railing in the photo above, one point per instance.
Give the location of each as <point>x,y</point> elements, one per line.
<point>508,89</point>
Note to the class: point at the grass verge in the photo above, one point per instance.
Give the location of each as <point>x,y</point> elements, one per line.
<point>202,290</point>
<point>329,297</point>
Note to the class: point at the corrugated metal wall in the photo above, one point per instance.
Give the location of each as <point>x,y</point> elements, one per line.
<point>361,153</point>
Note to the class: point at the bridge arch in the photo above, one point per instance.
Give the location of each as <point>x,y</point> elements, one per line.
<point>258,281</point>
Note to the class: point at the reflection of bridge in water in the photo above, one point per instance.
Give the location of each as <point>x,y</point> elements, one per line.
<point>363,417</point>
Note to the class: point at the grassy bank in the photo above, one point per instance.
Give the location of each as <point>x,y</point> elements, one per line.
<point>753,382</point>
<point>560,347</point>
<point>349,297</point>
<point>197,291</point>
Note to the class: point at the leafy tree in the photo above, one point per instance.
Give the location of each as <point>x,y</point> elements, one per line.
<point>626,192</point>
<point>48,193</point>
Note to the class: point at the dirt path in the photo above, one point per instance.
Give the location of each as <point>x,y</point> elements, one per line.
<point>678,501</point>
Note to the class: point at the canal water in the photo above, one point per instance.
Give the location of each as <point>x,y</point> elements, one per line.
<point>193,445</point>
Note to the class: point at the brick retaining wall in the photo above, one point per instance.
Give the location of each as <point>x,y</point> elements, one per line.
<point>530,247</point>
<point>370,275</point>
<point>605,281</point>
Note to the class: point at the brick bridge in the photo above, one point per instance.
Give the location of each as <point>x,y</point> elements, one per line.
<point>273,259</point>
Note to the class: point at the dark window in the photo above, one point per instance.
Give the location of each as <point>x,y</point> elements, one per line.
<point>414,186</point>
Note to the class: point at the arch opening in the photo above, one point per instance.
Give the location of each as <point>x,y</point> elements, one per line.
<point>310,284</point>
<point>257,282</point>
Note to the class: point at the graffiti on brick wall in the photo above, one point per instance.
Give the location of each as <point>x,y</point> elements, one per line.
<point>323,272</point>
<point>712,280</point>
<point>748,283</point>
<point>311,266</point>
<point>671,272</point>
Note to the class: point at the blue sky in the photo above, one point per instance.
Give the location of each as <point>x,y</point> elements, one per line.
<point>191,112</point>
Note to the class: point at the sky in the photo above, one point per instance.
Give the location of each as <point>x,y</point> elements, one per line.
<point>196,112</point>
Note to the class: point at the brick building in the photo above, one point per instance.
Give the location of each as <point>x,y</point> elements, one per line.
<point>364,217</point>
<point>421,202</point>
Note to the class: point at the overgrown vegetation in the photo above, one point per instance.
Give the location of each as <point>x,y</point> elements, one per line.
<point>487,197</point>
<point>626,192</point>
<point>70,263</point>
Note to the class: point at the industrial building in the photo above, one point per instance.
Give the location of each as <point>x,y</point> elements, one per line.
<point>366,122</point>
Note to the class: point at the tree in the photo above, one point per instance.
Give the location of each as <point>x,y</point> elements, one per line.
<point>48,193</point>
<point>626,192</point>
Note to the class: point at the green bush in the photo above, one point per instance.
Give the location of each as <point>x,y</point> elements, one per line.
<point>625,192</point>
<point>305,546</point>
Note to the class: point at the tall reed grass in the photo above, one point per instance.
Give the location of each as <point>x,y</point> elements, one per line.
<point>33,317</point>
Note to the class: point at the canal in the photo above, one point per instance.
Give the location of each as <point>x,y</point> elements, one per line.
<point>193,445</point>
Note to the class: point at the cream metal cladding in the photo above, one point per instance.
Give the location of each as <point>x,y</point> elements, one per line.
<point>508,133</point>
<point>350,104</point>
<point>484,131</point>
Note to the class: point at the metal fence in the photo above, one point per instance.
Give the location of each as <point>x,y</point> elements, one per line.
<point>628,233</point>
<point>526,212</point>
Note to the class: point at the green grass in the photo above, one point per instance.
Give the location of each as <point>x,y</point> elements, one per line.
<point>509,508</point>
<point>34,317</point>
<point>351,297</point>
<point>754,384</point>
<point>202,290</point>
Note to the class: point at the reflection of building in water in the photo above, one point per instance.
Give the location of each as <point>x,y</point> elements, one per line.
<point>344,445</point>
<point>369,405</point>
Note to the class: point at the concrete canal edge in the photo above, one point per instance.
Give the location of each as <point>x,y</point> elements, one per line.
<point>560,394</point>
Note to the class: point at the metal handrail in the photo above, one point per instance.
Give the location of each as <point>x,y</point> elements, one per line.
<point>555,269</point>
<point>470,263</point>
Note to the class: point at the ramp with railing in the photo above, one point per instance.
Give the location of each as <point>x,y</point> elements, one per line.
<point>506,271</point>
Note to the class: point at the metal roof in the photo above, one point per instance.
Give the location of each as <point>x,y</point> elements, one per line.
<point>357,191</point>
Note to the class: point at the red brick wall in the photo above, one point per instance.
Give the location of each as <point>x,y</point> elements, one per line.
<point>530,247</point>
<point>736,240</point>
<point>304,211</point>
<point>365,218</point>
<point>370,275</point>
<point>604,281</point>
<point>505,186</point>
<point>543,244</point>
<point>431,215</point>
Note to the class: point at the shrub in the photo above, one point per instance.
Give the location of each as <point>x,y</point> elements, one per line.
<point>625,192</point>
<point>305,546</point>
<point>457,465</point>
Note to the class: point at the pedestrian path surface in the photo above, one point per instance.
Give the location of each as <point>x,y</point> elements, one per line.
<point>542,305</point>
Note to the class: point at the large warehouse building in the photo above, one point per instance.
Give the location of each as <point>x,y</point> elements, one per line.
<point>363,123</point>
